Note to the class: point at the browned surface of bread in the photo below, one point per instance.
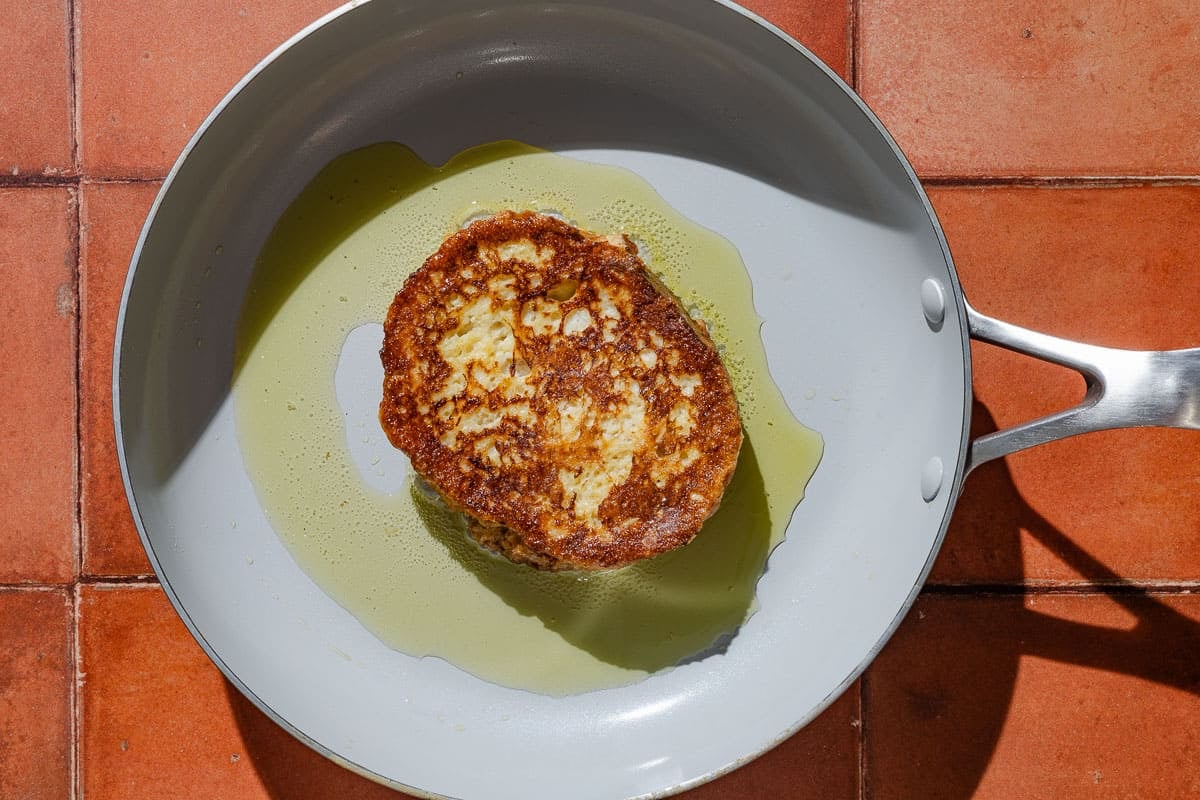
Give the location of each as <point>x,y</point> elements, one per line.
<point>545,384</point>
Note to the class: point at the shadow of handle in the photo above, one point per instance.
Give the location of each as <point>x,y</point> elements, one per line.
<point>1125,388</point>
<point>1161,647</point>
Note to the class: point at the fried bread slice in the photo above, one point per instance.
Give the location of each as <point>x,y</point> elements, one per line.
<point>549,387</point>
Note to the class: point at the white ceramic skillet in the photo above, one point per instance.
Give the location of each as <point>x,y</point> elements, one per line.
<point>866,330</point>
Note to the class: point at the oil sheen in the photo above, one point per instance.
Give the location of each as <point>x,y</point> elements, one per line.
<point>401,563</point>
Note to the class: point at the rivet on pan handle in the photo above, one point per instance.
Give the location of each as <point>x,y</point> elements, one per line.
<point>1125,388</point>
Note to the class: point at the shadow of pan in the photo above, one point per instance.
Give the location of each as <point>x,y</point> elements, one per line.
<point>288,769</point>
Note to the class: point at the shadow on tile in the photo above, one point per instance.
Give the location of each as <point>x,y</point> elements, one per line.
<point>1161,647</point>
<point>952,744</point>
<point>939,697</point>
<point>288,769</point>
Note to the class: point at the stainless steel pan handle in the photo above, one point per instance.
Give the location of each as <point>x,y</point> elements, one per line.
<point>1125,388</point>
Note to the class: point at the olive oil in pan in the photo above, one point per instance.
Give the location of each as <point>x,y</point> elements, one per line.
<point>403,564</point>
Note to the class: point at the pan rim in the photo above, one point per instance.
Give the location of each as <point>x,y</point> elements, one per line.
<point>953,486</point>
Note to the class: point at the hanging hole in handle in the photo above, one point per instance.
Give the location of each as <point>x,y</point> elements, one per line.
<point>1022,387</point>
<point>1125,388</point>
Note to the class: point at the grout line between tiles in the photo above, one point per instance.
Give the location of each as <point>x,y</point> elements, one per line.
<point>1091,588</point>
<point>864,786</point>
<point>1060,181</point>
<point>76,696</point>
<point>102,180</point>
<point>117,582</point>
<point>8,181</point>
<point>76,203</point>
<point>852,29</point>
<point>74,693</point>
<point>73,79</point>
<point>34,587</point>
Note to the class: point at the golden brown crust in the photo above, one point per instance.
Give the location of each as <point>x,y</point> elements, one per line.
<point>538,378</point>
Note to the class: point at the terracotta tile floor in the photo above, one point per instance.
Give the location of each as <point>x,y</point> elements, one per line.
<point>1027,87</point>
<point>111,216</point>
<point>1056,652</point>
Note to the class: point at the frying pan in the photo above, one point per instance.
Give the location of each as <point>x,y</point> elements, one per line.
<point>865,326</point>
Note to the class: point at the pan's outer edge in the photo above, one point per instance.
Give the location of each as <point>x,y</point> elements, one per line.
<point>130,495</point>
<point>954,487</point>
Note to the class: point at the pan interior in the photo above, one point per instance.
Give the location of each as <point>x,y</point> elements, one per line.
<point>741,133</point>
